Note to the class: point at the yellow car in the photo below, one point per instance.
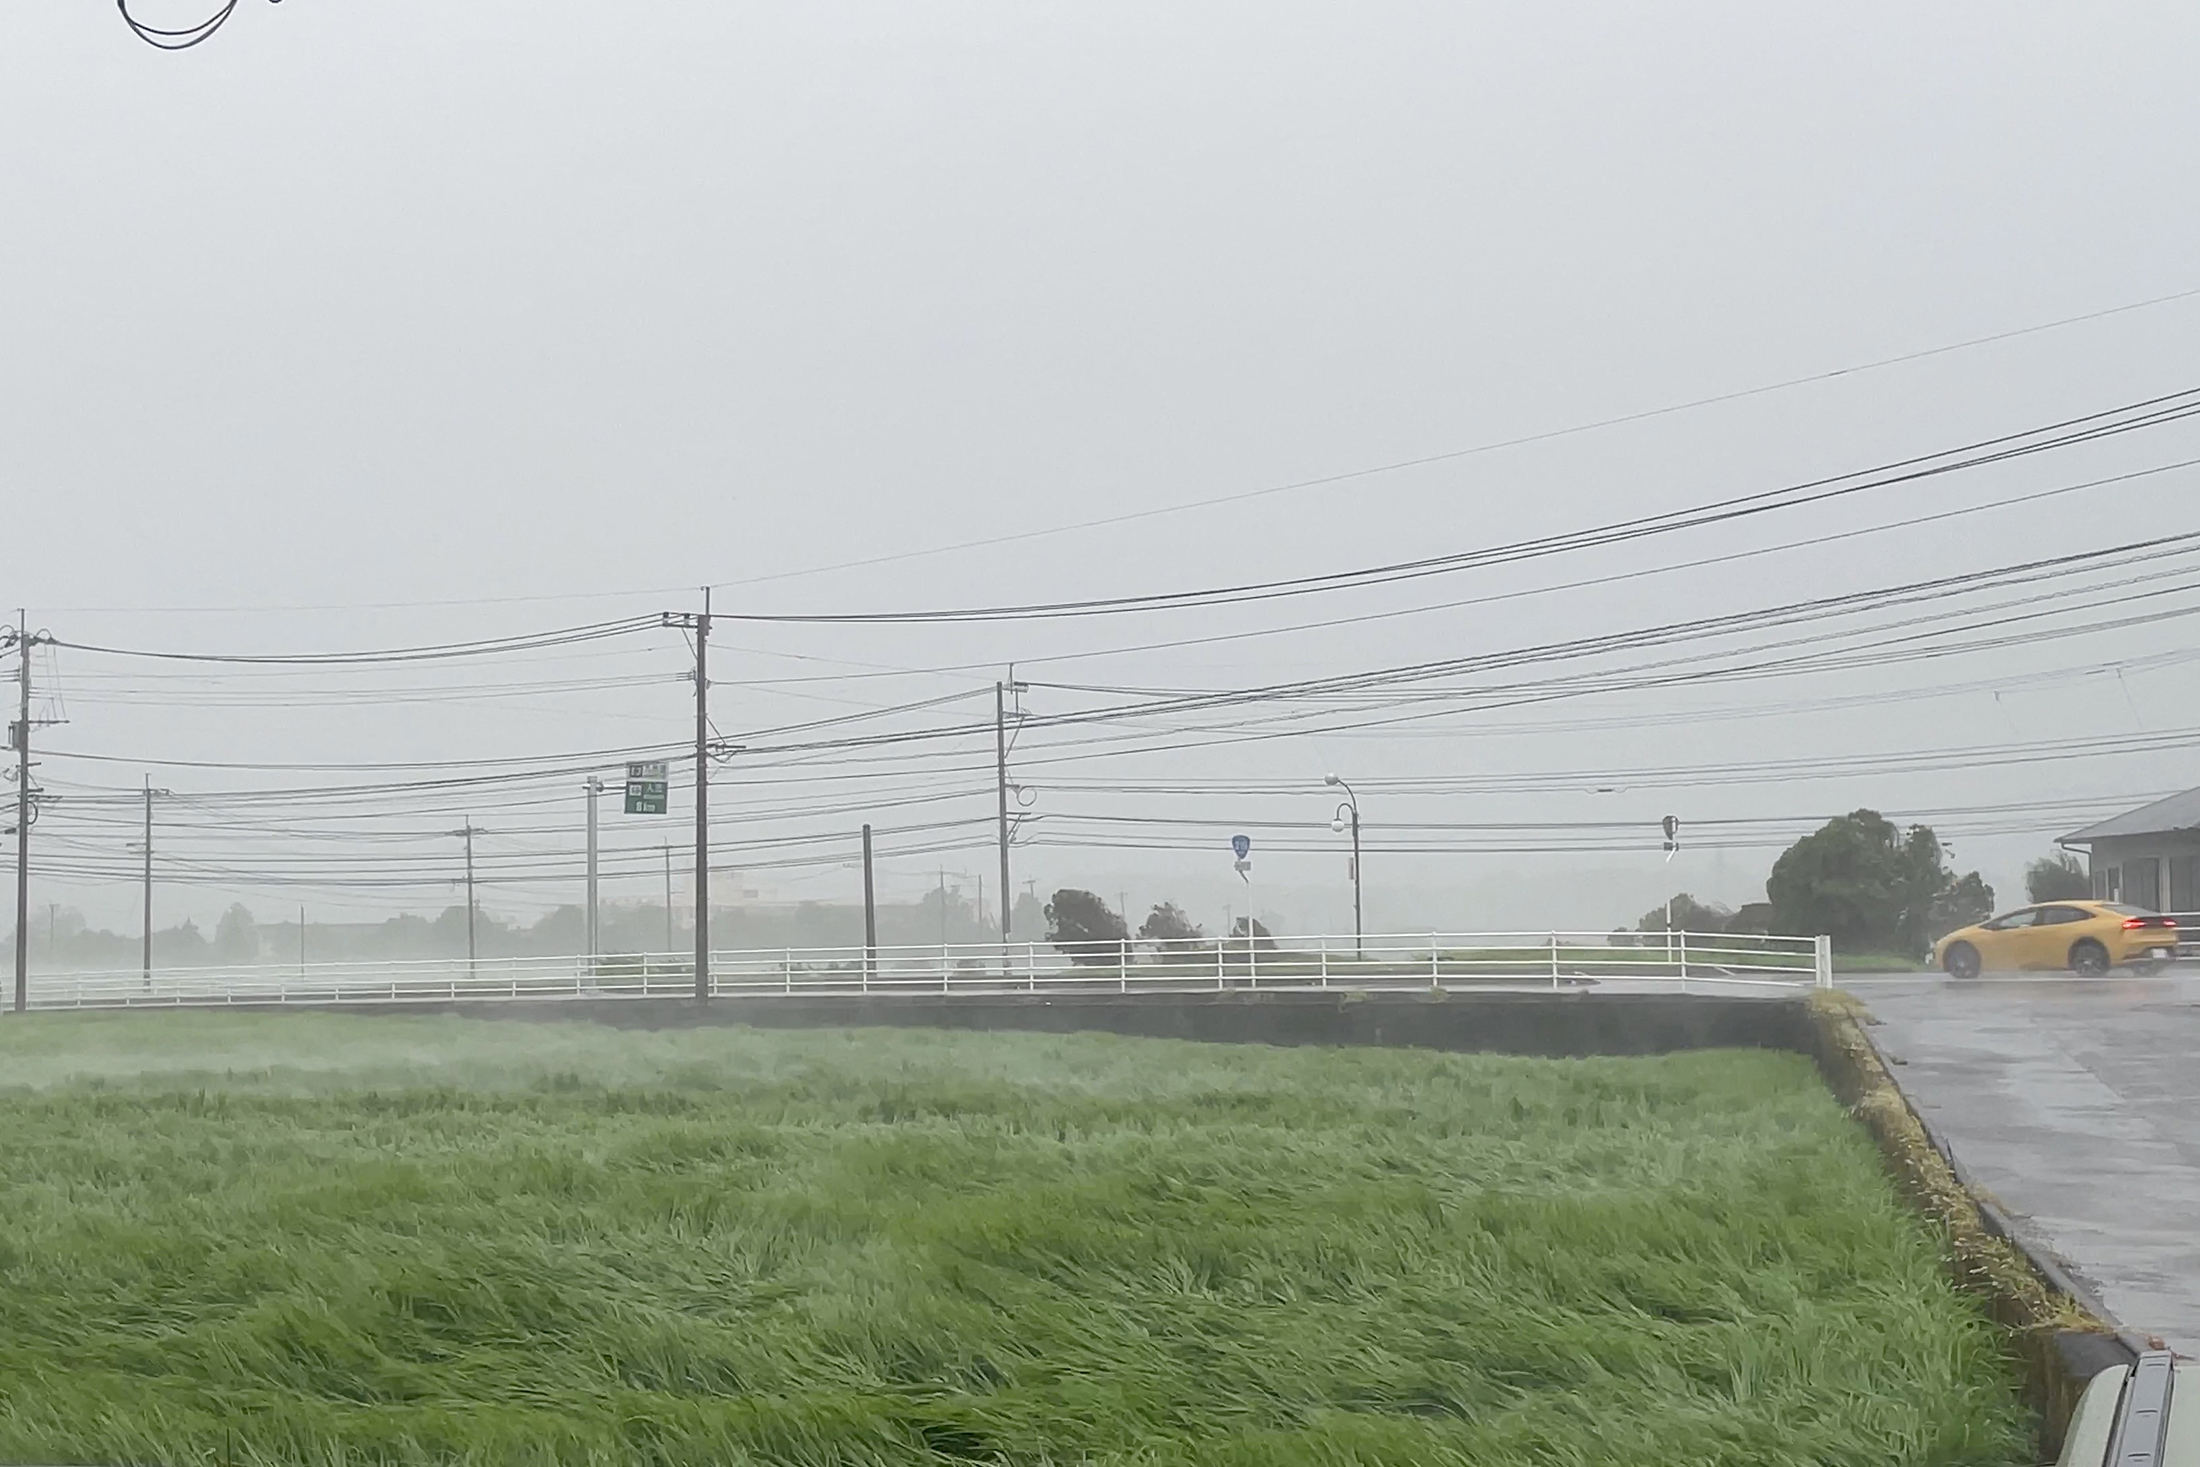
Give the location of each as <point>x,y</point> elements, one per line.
<point>2086,937</point>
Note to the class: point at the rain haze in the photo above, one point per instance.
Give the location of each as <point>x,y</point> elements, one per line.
<point>396,325</point>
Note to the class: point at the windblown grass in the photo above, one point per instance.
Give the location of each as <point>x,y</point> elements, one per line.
<point>336,1239</point>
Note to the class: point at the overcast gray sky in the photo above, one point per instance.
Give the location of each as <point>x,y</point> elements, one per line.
<point>371,324</point>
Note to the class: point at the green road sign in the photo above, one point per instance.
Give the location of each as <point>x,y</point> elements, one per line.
<point>645,788</point>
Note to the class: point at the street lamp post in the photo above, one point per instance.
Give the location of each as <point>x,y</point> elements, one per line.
<point>1348,812</point>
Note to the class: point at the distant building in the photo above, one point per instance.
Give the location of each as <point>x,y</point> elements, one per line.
<point>2148,857</point>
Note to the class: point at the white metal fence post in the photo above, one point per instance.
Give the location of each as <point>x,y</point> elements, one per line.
<point>1435,974</point>
<point>1554,960</point>
<point>1123,965</point>
<point>1220,980</point>
<point>1822,960</point>
<point>1325,962</point>
<point>1683,936</point>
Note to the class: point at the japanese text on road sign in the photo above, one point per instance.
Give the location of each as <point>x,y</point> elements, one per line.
<point>645,787</point>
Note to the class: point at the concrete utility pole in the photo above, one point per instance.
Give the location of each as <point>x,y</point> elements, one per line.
<point>21,732</point>
<point>699,623</point>
<point>702,800</point>
<point>150,792</point>
<point>1000,773</point>
<point>468,831</point>
<point>594,787</point>
<point>148,954</point>
<point>26,802</point>
<point>668,896</point>
<point>1000,770</point>
<point>870,911</point>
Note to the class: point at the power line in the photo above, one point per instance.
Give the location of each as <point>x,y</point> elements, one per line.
<point>432,652</point>
<point>2091,427</point>
<point>1452,455</point>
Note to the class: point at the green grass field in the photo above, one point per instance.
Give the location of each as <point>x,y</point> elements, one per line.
<point>313,1240</point>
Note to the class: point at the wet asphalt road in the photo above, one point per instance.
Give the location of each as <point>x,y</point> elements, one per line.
<point>2076,1104</point>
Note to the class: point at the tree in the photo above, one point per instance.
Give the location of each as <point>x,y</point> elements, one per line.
<point>1688,915</point>
<point>1169,930</point>
<point>1964,902</point>
<point>559,930</point>
<point>1262,939</point>
<point>1872,887</point>
<point>1084,928</point>
<point>1751,917</point>
<point>236,936</point>
<point>2056,878</point>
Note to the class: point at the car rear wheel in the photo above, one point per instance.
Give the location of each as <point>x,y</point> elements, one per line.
<point>1960,960</point>
<point>2089,959</point>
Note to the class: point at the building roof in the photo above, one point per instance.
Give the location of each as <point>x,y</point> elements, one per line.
<point>2178,812</point>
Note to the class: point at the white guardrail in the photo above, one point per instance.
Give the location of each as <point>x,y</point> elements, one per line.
<point>1692,961</point>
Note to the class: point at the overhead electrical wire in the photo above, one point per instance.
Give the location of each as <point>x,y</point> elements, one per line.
<point>213,833</point>
<point>1241,496</point>
<point>432,652</point>
<point>2091,427</point>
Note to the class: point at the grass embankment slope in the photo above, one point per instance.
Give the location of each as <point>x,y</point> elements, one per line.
<point>309,1240</point>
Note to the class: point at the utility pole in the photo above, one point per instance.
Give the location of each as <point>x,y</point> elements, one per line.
<point>148,954</point>
<point>667,848</point>
<point>870,911</point>
<point>594,786</point>
<point>301,942</point>
<point>22,742</point>
<point>1000,770</point>
<point>702,800</point>
<point>469,830</point>
<point>26,802</point>
<point>699,623</point>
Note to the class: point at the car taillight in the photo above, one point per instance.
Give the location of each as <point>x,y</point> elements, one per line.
<point>2134,922</point>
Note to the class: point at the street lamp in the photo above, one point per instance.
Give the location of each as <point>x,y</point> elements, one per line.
<point>1348,813</point>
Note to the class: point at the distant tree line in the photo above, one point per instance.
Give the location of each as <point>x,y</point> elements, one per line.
<point>61,938</point>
